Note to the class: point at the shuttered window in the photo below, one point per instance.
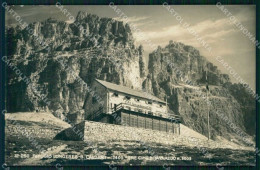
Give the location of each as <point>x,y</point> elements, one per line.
<point>163,126</point>
<point>132,120</point>
<point>141,122</point>
<point>156,124</point>
<point>125,119</point>
<point>149,124</point>
<point>135,120</point>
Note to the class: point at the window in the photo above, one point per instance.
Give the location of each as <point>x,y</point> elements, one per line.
<point>135,121</point>
<point>132,120</point>
<point>163,126</point>
<point>128,97</point>
<point>156,124</point>
<point>116,94</point>
<point>149,102</point>
<point>140,110</point>
<point>125,119</point>
<point>141,122</point>
<point>149,124</point>
<point>138,100</point>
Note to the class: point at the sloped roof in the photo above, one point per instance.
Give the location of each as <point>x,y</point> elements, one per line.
<point>127,90</point>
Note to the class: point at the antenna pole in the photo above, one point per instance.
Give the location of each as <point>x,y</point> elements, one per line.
<point>207,88</point>
<point>166,106</point>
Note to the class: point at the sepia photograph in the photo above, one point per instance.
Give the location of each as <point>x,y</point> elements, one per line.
<point>130,85</point>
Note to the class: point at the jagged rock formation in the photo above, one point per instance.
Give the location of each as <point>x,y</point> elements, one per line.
<point>188,61</point>
<point>103,48</point>
<point>178,71</point>
<point>96,48</point>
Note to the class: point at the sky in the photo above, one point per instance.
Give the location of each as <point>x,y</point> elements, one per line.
<point>159,26</point>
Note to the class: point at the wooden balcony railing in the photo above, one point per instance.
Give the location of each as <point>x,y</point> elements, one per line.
<point>145,110</point>
<point>141,109</point>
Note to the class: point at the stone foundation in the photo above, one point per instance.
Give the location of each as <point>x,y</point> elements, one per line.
<point>96,131</point>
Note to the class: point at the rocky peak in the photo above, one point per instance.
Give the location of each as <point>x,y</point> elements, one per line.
<point>178,72</point>
<point>81,15</point>
<point>187,61</point>
<point>90,31</point>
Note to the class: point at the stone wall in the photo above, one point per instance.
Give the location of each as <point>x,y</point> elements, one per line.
<point>95,131</point>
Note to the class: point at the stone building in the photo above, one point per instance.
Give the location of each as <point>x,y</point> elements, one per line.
<point>121,105</point>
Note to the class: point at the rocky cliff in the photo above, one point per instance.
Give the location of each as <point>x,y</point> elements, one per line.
<point>69,54</point>
<point>96,48</point>
<point>179,72</point>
